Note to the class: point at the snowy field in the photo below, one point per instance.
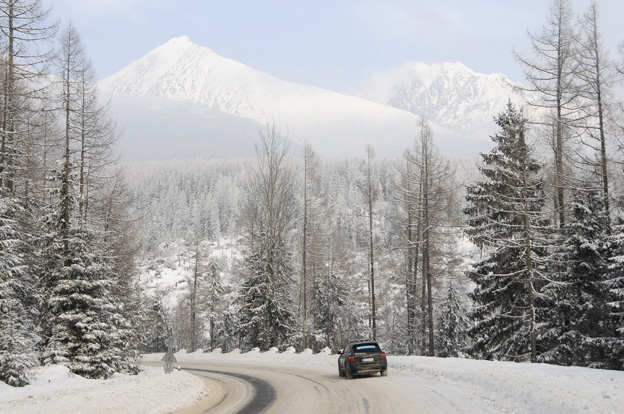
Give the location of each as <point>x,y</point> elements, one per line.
<point>518,388</point>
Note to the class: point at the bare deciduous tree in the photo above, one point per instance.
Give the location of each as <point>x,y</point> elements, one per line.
<point>371,196</point>
<point>273,187</point>
<point>552,86</point>
<point>596,74</point>
<point>26,31</point>
<point>310,172</point>
<point>430,188</point>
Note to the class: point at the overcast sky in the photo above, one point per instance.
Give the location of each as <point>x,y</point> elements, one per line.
<point>334,44</point>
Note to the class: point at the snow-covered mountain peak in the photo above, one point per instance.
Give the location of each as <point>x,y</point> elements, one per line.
<point>180,40</point>
<point>449,94</point>
<point>336,124</point>
<point>179,47</point>
<point>178,69</point>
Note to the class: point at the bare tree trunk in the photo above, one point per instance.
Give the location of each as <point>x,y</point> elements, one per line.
<point>528,258</point>
<point>304,251</point>
<point>370,155</point>
<point>8,113</point>
<point>426,235</point>
<point>595,76</point>
<point>412,265</point>
<point>71,54</point>
<point>194,293</point>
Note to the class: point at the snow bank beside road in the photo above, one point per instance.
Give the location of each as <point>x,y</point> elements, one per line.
<point>528,388</point>
<point>56,391</point>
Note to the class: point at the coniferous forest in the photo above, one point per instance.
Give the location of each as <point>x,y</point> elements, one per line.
<point>515,255</point>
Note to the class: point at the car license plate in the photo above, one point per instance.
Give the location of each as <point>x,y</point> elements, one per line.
<point>368,359</point>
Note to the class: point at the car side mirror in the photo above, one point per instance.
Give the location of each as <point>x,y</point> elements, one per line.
<point>340,352</point>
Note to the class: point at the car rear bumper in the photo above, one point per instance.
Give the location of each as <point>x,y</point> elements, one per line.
<point>366,368</point>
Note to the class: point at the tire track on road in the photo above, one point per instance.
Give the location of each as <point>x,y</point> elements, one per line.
<point>264,394</point>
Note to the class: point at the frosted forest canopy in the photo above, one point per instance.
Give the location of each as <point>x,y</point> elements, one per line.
<point>517,256</point>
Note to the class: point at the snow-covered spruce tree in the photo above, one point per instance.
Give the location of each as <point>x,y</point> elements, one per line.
<point>505,219</point>
<point>578,325</point>
<point>265,315</point>
<point>82,330</point>
<point>82,325</point>
<point>452,327</point>
<point>334,316</point>
<point>156,328</point>
<point>17,297</point>
<point>614,282</point>
<point>229,333</point>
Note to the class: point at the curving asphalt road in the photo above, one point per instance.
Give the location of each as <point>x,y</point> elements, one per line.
<point>237,387</point>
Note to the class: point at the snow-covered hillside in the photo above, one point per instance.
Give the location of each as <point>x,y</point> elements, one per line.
<point>449,94</point>
<point>335,124</point>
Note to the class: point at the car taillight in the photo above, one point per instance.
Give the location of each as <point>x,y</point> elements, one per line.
<point>351,358</point>
<point>383,355</point>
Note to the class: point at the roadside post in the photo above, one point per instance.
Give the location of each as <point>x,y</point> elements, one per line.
<point>169,358</point>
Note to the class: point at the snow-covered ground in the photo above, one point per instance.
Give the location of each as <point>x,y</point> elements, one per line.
<point>56,391</point>
<point>516,387</point>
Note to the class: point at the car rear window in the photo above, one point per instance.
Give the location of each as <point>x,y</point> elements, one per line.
<point>366,348</point>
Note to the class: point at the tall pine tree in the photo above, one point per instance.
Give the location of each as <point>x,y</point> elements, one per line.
<point>505,219</point>
<point>17,296</point>
<point>265,314</point>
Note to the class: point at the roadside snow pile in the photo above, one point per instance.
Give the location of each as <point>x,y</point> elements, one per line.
<point>529,387</point>
<point>55,390</point>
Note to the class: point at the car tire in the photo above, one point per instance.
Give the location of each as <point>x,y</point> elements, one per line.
<point>348,373</point>
<point>341,371</point>
<point>384,372</point>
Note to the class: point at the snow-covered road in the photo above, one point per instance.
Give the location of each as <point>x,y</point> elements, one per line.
<point>240,387</point>
<point>419,384</point>
<point>305,382</point>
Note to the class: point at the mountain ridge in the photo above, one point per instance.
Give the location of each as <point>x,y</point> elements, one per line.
<point>450,94</point>
<point>335,124</point>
